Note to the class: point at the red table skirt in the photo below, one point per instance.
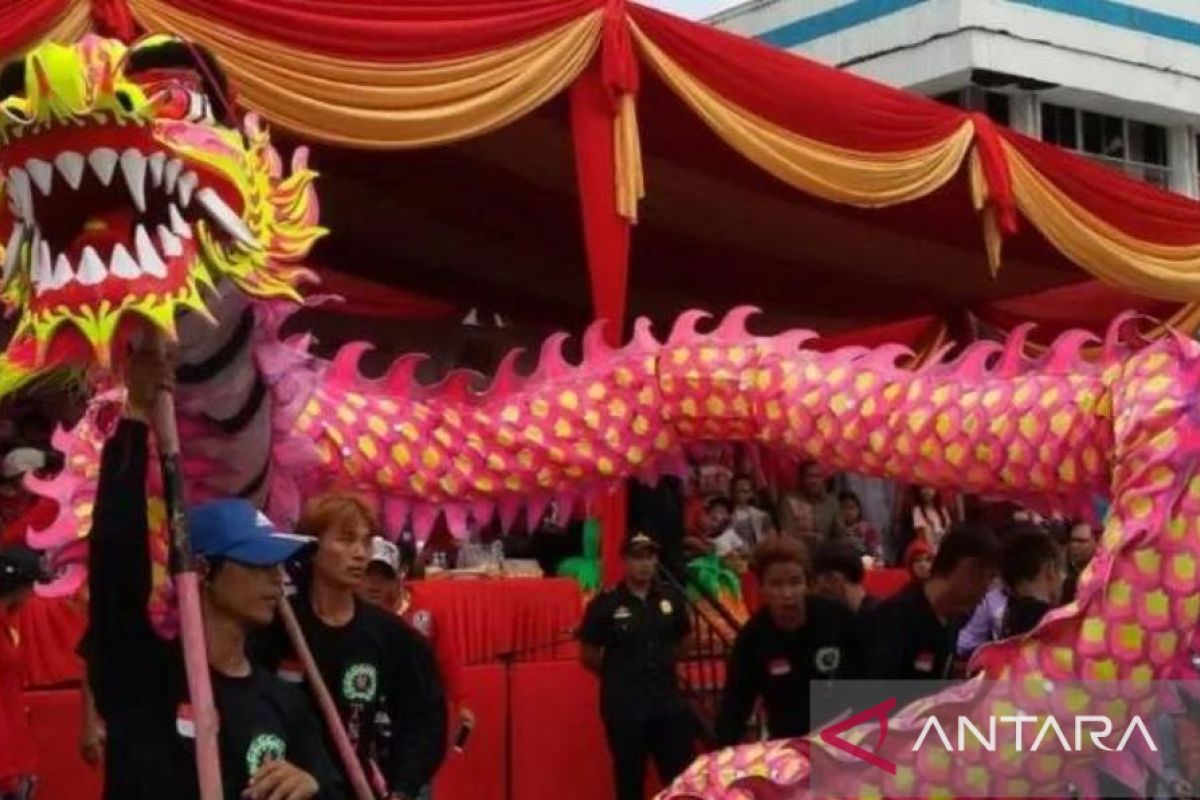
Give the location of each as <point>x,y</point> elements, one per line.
<point>885,582</point>
<point>558,747</point>
<point>533,620</point>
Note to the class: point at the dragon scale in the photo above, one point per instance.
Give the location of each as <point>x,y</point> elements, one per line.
<point>262,417</point>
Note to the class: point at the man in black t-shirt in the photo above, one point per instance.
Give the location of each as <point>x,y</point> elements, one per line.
<point>631,638</point>
<point>270,741</point>
<point>913,633</point>
<point>794,641</point>
<point>381,673</point>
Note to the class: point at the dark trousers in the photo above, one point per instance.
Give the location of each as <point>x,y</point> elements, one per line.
<point>667,739</point>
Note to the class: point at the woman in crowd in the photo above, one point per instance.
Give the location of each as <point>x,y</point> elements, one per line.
<point>751,522</point>
<point>19,570</point>
<point>928,515</point>
<point>918,560</point>
<point>863,533</point>
<point>381,673</point>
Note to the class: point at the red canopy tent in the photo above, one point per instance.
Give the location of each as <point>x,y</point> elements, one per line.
<point>474,153</point>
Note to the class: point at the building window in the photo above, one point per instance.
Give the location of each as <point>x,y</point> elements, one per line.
<point>994,105</point>
<point>1139,149</point>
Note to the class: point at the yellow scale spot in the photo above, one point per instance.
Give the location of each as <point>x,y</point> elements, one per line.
<point>355,399</point>
<point>1060,423</point>
<point>1184,566</point>
<point>635,455</point>
<point>539,408</point>
<point>449,484</point>
<point>999,426</point>
<point>877,440</point>
<point>991,398</point>
<point>715,406</point>
<point>1130,637</point>
<point>983,452</point>
<point>591,418</point>
<point>347,416</point>
<point>688,407</point>
<point>641,425</point>
<point>409,431</point>
<point>763,380</point>
<point>556,454</point>
<point>534,434</point>
<point>510,414</point>
<point>484,484</point>
<point>1148,562</point>
<point>1156,384</point>
<point>336,434</point>
<point>605,466</point>
<point>584,449</point>
<point>513,482</point>
<point>505,437</point>
<point>622,376</point>
<point>618,408</point>
<point>1028,424</point>
<point>741,405</point>
<point>1092,631</point>
<point>646,396</point>
<point>545,477</point>
<point>1120,593</point>
<point>596,391</point>
<point>367,446</point>
<point>662,441</point>
<point>680,355</point>
<point>563,429</point>
<point>431,458</point>
<point>313,408</point>
<point>377,425</point>
<point>930,447</point>
<point>400,454</point>
<point>1064,659</point>
<point>612,436</point>
<point>737,355</point>
<point>1022,394</point>
<point>496,462</point>
<point>1141,506</point>
<point>1091,459</point>
<point>840,403</point>
<point>443,436</point>
<point>418,483</point>
<point>525,459</point>
<point>916,420</point>
<point>388,406</point>
<point>864,382</point>
<point>955,453</point>
<point>574,471</point>
<point>868,407</point>
<point>1157,603</point>
<point>463,464</point>
<point>903,444</point>
<point>708,354</point>
<point>1066,470</point>
<point>1049,397</point>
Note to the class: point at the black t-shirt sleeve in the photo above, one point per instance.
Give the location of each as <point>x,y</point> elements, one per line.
<point>884,652</point>
<point>268,647</point>
<point>594,630</point>
<point>120,639</point>
<point>306,744</point>
<point>683,622</point>
<point>418,712</point>
<point>742,688</point>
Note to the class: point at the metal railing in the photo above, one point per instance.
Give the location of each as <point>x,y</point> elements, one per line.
<point>702,667</point>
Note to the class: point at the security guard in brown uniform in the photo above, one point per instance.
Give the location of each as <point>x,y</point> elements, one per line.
<point>631,638</point>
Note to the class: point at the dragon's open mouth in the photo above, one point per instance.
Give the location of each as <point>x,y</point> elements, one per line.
<point>116,215</point>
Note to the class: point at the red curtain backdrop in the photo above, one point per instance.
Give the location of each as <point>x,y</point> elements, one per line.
<point>367,298</point>
<point>386,30</point>
<point>23,22</point>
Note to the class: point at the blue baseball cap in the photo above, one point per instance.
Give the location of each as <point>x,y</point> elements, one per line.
<point>236,530</point>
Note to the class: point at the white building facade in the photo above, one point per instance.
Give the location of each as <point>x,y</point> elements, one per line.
<point>1116,80</point>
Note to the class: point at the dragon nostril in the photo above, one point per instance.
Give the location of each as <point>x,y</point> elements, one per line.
<point>124,101</point>
<point>12,78</point>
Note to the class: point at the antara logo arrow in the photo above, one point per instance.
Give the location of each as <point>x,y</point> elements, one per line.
<point>832,734</point>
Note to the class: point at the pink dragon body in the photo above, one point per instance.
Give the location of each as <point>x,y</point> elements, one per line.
<point>263,418</point>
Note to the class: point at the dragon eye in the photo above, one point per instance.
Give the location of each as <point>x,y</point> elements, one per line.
<point>199,109</point>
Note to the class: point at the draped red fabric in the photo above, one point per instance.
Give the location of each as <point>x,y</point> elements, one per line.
<point>113,18</point>
<point>803,96</point>
<point>1091,305</point>
<point>22,22</point>
<point>908,332</point>
<point>386,30</point>
<point>370,299</point>
<point>1136,208</point>
<point>606,238</point>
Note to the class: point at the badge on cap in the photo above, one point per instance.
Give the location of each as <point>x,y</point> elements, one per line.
<point>622,613</point>
<point>923,662</point>
<point>779,667</point>
<point>665,606</point>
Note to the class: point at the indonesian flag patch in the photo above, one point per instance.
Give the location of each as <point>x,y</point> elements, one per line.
<point>291,670</point>
<point>185,723</point>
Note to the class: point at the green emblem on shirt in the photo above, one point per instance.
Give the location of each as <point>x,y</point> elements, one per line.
<point>264,748</point>
<point>360,683</point>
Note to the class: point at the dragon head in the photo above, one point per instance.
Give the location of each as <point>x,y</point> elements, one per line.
<point>128,189</point>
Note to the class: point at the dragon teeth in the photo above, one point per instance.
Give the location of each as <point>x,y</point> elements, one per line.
<point>171,175</point>
<point>40,270</point>
<point>179,225</point>
<point>91,268</point>
<point>151,262</point>
<point>133,167</point>
<point>122,264</point>
<point>13,251</point>
<point>104,164</point>
<point>42,174</point>
<point>63,274</point>
<point>70,164</point>
<point>22,194</point>
<point>187,185</point>
<point>157,164</point>
<point>171,245</point>
<point>226,216</point>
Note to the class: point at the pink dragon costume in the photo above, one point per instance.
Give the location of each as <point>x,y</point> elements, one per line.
<point>132,200</point>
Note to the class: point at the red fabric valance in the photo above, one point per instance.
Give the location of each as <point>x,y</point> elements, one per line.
<point>805,97</point>
<point>367,298</point>
<point>24,22</point>
<point>386,30</point>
